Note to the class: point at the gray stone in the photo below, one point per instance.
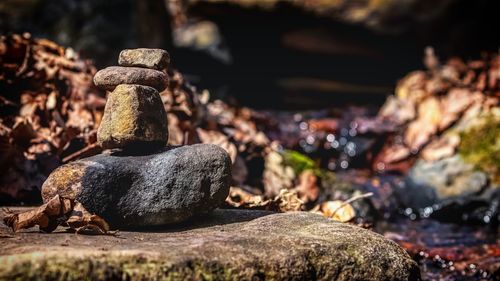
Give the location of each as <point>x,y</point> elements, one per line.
<point>150,58</point>
<point>166,187</point>
<point>441,181</point>
<point>112,76</point>
<point>134,117</point>
<point>225,245</point>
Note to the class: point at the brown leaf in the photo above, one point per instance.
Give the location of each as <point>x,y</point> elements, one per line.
<point>81,220</point>
<point>51,214</point>
<point>218,138</point>
<point>276,175</point>
<point>240,198</point>
<point>308,187</point>
<point>420,131</point>
<point>338,210</point>
<point>288,200</point>
<point>394,154</point>
<point>39,216</point>
<point>441,148</point>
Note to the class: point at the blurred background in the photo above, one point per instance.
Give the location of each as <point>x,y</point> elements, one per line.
<point>270,54</point>
<point>382,113</point>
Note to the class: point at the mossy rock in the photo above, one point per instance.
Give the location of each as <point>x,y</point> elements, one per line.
<point>227,245</point>
<point>480,145</point>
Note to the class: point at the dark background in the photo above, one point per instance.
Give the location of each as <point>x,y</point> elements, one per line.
<point>286,57</point>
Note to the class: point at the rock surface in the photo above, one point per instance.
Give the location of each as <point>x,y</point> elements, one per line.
<point>134,116</point>
<point>112,76</point>
<point>166,187</point>
<point>228,245</point>
<point>142,57</point>
<point>435,182</point>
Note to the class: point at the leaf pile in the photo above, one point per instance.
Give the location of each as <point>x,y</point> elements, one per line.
<point>49,112</point>
<point>431,109</point>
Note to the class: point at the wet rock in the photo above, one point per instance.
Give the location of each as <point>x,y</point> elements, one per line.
<point>166,187</point>
<point>149,58</point>
<point>226,245</point>
<point>134,116</point>
<point>436,182</point>
<point>113,76</point>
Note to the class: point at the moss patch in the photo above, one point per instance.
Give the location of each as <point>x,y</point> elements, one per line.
<point>480,145</point>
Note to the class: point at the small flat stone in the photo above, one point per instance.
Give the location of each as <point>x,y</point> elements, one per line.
<point>226,245</point>
<point>166,187</point>
<point>112,76</point>
<point>134,116</point>
<point>150,58</point>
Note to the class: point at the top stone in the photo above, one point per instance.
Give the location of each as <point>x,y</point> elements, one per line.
<point>149,58</point>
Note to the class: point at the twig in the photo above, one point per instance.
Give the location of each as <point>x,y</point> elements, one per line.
<point>350,200</point>
<point>87,151</point>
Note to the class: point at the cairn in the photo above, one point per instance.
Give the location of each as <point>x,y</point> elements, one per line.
<point>140,181</point>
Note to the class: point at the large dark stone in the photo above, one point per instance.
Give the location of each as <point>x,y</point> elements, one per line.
<point>134,191</point>
<point>225,245</point>
<point>441,181</point>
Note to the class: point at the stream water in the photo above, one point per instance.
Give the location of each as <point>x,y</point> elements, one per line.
<point>445,247</point>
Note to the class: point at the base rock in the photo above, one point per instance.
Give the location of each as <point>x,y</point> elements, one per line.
<point>226,245</point>
<point>165,187</point>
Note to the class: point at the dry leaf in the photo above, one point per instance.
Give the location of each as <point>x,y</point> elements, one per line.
<point>276,175</point>
<point>44,216</point>
<point>338,210</point>
<point>288,200</point>
<point>56,211</point>
<point>395,154</point>
<point>308,186</point>
<point>441,148</point>
<point>81,220</point>
<point>240,198</point>
<point>419,132</point>
<point>217,138</point>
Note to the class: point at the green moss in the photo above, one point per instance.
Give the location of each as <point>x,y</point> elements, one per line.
<point>480,145</point>
<point>299,162</point>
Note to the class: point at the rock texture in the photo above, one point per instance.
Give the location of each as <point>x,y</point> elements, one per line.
<point>134,116</point>
<point>436,182</point>
<point>149,58</point>
<point>113,76</point>
<point>165,187</point>
<point>229,245</point>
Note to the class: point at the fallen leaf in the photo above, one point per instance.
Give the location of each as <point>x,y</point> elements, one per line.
<point>441,148</point>
<point>338,210</point>
<point>218,138</point>
<point>308,186</point>
<point>56,211</point>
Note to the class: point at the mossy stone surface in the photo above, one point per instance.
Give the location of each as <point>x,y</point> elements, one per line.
<point>227,245</point>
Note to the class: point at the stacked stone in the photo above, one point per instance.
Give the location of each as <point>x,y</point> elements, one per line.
<point>134,116</point>
<point>141,182</point>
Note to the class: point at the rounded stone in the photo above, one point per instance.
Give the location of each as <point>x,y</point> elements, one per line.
<point>134,117</point>
<point>112,76</point>
<point>142,57</point>
<point>166,187</point>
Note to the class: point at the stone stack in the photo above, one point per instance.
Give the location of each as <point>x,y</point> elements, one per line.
<point>134,115</point>
<point>141,182</point>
